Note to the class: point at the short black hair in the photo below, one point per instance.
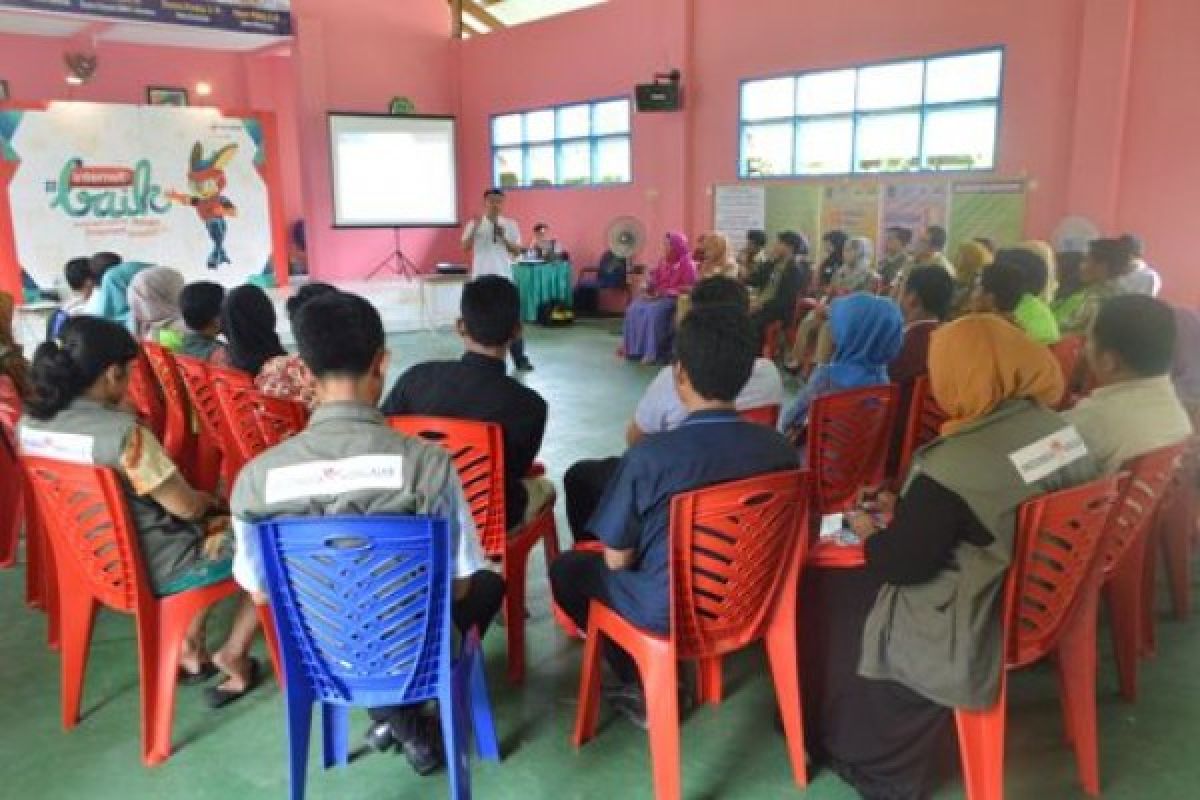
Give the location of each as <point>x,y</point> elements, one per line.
<point>1005,283</point>
<point>757,237</point>
<point>78,271</point>
<point>1034,269</point>
<point>1112,254</point>
<point>102,262</point>
<point>716,348</point>
<point>1134,244</point>
<point>491,310</point>
<point>493,192</point>
<point>795,241</point>
<point>308,291</point>
<point>200,304</point>
<point>903,235</point>
<point>720,291</point>
<point>936,235</point>
<point>338,334</point>
<point>933,287</point>
<point>541,227</point>
<point>1139,330</point>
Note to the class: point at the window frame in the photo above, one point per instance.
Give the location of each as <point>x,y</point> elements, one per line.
<point>593,140</point>
<point>856,114</point>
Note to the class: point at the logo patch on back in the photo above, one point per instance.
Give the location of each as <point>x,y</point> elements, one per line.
<point>1048,455</point>
<point>325,478</point>
<point>74,447</point>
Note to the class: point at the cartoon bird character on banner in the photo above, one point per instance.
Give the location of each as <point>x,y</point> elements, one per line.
<point>206,178</point>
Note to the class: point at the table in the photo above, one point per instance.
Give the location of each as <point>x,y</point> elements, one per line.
<point>542,282</point>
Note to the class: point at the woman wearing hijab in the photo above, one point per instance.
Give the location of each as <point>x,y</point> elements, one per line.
<point>154,310</point>
<point>1046,253</point>
<point>716,260</point>
<point>890,650</point>
<point>649,321</point>
<point>14,369</point>
<point>858,273</point>
<point>970,261</point>
<point>113,303</point>
<point>867,332</point>
<point>834,245</point>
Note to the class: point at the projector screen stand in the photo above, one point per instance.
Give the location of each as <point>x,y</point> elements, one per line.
<point>397,263</point>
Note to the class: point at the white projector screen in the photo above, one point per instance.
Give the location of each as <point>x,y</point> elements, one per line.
<point>393,171</point>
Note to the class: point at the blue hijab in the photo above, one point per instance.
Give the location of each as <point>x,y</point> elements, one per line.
<point>114,290</point>
<point>868,332</point>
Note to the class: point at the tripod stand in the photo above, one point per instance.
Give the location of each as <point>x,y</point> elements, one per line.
<point>397,262</point>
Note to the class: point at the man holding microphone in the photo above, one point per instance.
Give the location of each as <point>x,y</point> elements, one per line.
<point>494,241</point>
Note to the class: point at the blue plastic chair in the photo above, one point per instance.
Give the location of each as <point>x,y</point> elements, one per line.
<point>362,611</point>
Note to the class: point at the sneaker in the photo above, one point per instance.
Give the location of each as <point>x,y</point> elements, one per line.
<point>412,733</point>
<point>629,701</point>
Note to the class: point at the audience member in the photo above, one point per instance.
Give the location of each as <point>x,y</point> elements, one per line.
<point>1004,289</point>
<point>1069,295</point>
<point>1185,369</point>
<point>15,387</point>
<point>1134,408</point>
<point>1103,266</point>
<point>200,304</point>
<point>716,260</point>
<point>82,283</point>
<point>969,264</point>
<point>341,340</point>
<point>1032,313</point>
<point>857,274</point>
<point>780,283</point>
<point>1046,253</point>
<point>897,261</point>
<point>79,384</point>
<point>611,273</point>
<point>891,650</point>
<point>543,247</point>
<point>112,299</point>
<point>833,249</point>
<point>1139,277</point>
<point>987,243</point>
<point>930,249</point>
<point>155,315</point>
<point>649,321</point>
<point>754,255</point>
<point>477,387</point>
<point>715,358</point>
<point>867,333</point>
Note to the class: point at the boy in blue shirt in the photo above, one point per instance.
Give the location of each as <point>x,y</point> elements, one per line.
<point>716,349</point>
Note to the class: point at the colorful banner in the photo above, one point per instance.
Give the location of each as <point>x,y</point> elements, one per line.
<point>795,207</point>
<point>991,209</point>
<point>914,206</point>
<point>270,17</point>
<point>185,188</point>
<point>852,208</point>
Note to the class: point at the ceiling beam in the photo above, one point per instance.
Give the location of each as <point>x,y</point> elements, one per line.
<point>477,11</point>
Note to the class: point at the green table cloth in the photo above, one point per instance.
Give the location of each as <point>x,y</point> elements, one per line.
<point>540,283</point>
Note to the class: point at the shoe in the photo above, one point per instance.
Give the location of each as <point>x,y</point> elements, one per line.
<point>215,697</point>
<point>525,365</point>
<point>420,739</point>
<point>629,701</point>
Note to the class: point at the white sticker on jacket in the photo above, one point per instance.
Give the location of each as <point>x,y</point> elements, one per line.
<point>74,447</point>
<point>1048,455</point>
<point>325,478</point>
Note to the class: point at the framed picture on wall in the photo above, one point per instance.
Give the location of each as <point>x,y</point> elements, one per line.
<point>3,90</point>
<point>166,96</point>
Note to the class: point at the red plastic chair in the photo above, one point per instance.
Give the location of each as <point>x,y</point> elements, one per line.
<point>194,455</point>
<point>99,563</point>
<point>1068,350</point>
<point>477,449</point>
<point>924,424</point>
<point>771,340</point>
<point>1051,597</point>
<point>1124,553</point>
<point>1177,536</point>
<point>848,438</point>
<point>252,422</point>
<point>763,415</point>
<point>12,500</point>
<point>198,380</point>
<point>737,551</point>
<point>20,509</point>
<point>144,396</point>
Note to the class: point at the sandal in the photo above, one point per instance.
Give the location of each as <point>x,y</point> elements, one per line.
<point>204,675</point>
<point>215,697</point>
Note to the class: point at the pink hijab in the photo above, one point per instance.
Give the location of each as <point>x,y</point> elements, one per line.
<point>676,273</point>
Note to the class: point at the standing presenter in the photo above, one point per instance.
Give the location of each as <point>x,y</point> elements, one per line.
<point>493,241</point>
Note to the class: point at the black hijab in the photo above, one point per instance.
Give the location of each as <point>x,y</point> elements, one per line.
<point>248,320</point>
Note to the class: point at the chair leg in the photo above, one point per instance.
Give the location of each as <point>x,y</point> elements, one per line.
<point>36,559</point>
<point>266,621</point>
<point>1077,681</point>
<point>299,722</point>
<point>660,682</point>
<point>476,698</point>
<point>588,713</point>
<point>1148,639</point>
<point>77,615</point>
<point>1178,527</point>
<point>514,616</point>
<point>160,640</point>
<point>981,748</point>
<point>708,683</point>
<point>1124,595</point>
<point>335,729</point>
<point>550,545</point>
<point>453,733</point>
<point>783,653</point>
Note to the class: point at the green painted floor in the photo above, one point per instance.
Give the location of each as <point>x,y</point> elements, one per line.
<point>1150,750</point>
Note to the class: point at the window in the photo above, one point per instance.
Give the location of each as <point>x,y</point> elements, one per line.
<point>938,113</point>
<point>583,144</point>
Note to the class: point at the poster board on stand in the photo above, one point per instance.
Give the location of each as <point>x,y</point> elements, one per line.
<point>191,188</point>
<point>994,209</point>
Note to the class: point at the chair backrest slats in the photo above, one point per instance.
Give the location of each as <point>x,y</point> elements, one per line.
<point>1149,477</point>
<point>177,427</point>
<point>924,424</point>
<point>848,438</point>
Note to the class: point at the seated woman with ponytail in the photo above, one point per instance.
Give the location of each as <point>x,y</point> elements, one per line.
<point>79,381</point>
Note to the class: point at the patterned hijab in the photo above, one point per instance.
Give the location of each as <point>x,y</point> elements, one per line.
<point>248,320</point>
<point>868,332</point>
<point>982,360</point>
<point>154,302</point>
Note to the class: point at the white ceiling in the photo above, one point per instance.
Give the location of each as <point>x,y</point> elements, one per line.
<point>516,12</point>
<point>28,23</point>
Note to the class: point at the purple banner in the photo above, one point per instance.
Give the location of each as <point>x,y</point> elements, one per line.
<point>268,17</point>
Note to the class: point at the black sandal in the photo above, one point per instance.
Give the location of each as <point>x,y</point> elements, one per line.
<point>215,697</point>
<point>185,678</point>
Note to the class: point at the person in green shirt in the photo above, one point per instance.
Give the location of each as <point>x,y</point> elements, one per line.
<point>1105,263</point>
<point>1069,296</point>
<point>1005,290</point>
